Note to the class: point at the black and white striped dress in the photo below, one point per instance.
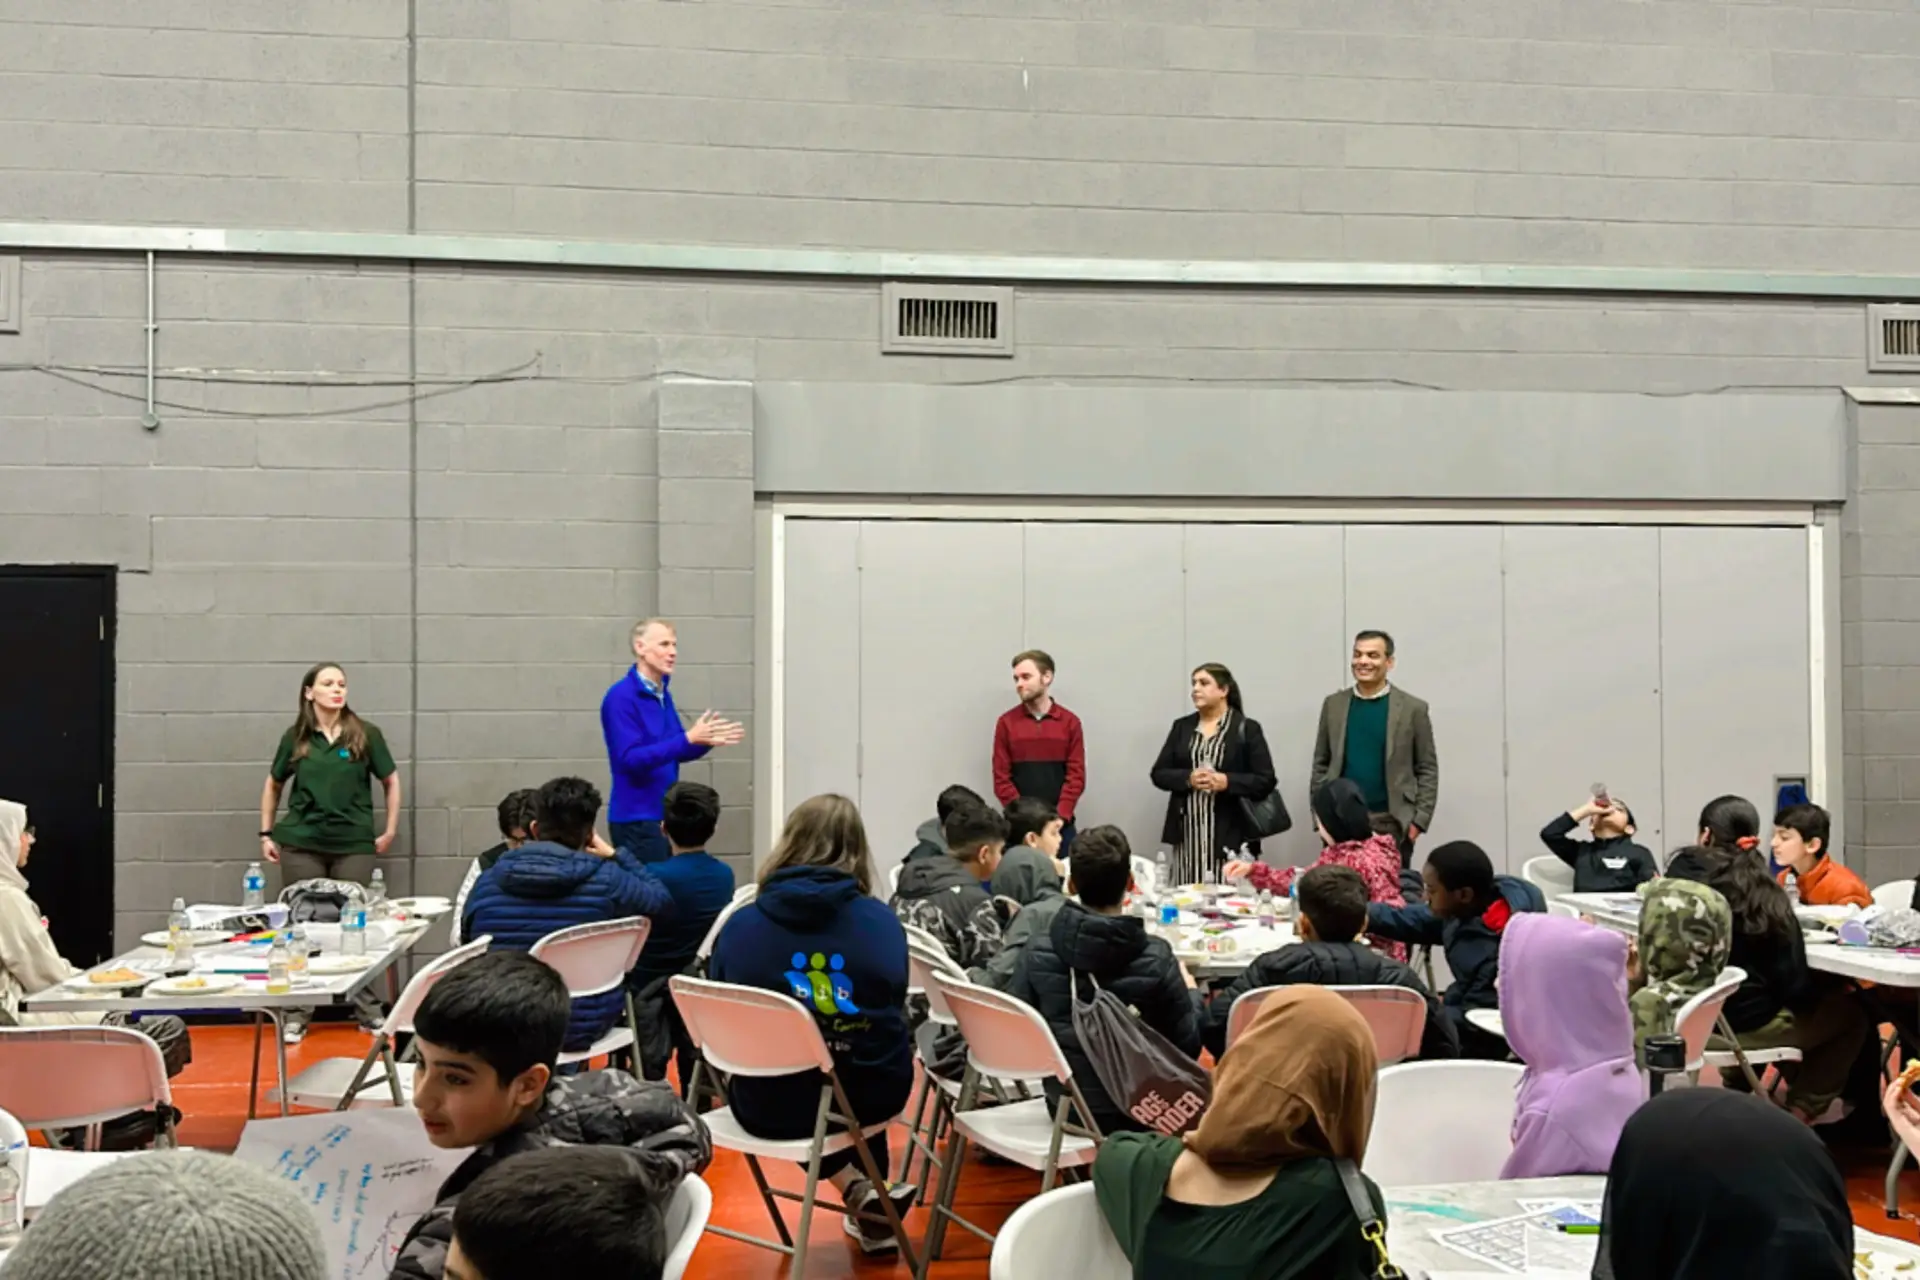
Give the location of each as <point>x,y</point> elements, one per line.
<point>1198,855</point>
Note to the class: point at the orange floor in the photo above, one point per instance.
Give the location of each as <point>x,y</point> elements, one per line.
<point>213,1095</point>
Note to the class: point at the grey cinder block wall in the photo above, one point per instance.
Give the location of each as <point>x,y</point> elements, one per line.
<point>581,453</point>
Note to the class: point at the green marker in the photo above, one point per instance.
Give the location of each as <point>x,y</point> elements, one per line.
<point>1581,1228</point>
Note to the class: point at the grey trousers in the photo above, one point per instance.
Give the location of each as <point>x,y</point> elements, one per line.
<point>304,864</point>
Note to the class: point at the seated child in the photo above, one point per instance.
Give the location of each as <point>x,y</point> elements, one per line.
<point>515,814</point>
<point>1347,831</point>
<point>561,878</point>
<point>1800,834</point>
<point>946,894</point>
<point>1330,913</point>
<point>701,887</point>
<point>1611,862</point>
<point>1685,932</point>
<point>1094,937</point>
<point>597,1213</point>
<point>1563,1002</point>
<point>487,1036</point>
<point>1028,878</point>
<point>1466,911</point>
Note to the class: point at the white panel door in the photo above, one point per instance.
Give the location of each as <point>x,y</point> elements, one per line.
<point>1106,601</point>
<point>822,678</point>
<point>1583,676</point>
<point>1267,601</point>
<point>1734,648</point>
<point>940,618</point>
<point>1437,590</point>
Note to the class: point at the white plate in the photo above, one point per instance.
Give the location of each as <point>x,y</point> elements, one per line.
<point>82,982</point>
<point>199,937</point>
<point>335,965</point>
<point>212,984</point>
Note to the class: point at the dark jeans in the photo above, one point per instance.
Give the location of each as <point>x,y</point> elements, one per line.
<point>1067,833</point>
<point>642,839</point>
<point>784,1107</point>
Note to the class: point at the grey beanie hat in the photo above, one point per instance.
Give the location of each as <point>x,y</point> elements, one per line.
<point>172,1215</point>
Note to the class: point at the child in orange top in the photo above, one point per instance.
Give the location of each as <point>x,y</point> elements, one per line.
<point>1800,846</point>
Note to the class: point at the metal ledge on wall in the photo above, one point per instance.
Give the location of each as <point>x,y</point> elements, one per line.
<point>863,264</point>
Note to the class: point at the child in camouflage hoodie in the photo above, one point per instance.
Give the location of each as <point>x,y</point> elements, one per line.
<point>1686,930</point>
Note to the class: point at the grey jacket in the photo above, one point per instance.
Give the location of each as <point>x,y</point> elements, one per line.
<point>1026,879</point>
<point>1413,766</point>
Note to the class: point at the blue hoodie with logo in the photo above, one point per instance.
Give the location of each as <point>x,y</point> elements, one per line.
<point>811,933</point>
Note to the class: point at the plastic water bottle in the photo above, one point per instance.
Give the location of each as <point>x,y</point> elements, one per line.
<point>353,930</point>
<point>297,953</point>
<point>377,905</point>
<point>12,1219</point>
<point>179,938</point>
<point>253,887</point>
<point>279,966</point>
<point>1267,917</point>
<point>1793,888</point>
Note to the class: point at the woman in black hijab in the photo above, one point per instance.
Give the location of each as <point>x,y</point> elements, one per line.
<point>1709,1184</point>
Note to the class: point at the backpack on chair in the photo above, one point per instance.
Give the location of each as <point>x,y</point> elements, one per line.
<point>320,901</point>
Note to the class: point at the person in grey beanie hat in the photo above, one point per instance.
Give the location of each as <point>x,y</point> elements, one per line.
<point>172,1215</point>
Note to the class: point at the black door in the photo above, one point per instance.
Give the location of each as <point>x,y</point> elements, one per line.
<point>56,751</point>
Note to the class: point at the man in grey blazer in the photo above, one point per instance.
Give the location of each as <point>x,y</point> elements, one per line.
<point>1381,739</point>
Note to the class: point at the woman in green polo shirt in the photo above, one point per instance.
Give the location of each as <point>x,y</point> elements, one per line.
<point>327,763</point>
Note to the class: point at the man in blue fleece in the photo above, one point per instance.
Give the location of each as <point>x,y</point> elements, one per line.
<point>554,881</point>
<point>646,744</point>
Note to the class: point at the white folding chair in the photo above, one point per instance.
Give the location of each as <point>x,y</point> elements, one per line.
<point>1058,1236</point>
<point>1735,1055</point>
<point>1245,1008</point>
<point>1549,875</point>
<point>1442,1122</point>
<point>1555,907</point>
<point>1695,1020</point>
<point>741,897</point>
<point>1398,1016</point>
<point>925,957</point>
<point>340,1083</point>
<point>69,1077</point>
<point>1895,893</point>
<point>1007,1040</point>
<point>687,1215</point>
<point>893,878</point>
<point>745,1031</point>
<point>595,959</point>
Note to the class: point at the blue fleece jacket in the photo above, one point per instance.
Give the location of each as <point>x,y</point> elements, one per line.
<point>541,887</point>
<point>646,745</point>
<point>812,934</point>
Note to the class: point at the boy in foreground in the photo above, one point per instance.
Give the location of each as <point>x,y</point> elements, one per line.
<point>488,1035</point>
<point>595,1212</point>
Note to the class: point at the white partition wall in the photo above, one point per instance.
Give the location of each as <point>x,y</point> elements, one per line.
<point>1671,663</point>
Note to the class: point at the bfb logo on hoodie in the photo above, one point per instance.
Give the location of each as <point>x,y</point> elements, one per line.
<point>821,983</point>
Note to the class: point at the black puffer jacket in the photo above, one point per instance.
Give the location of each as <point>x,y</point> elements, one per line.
<point>1117,953</point>
<point>1331,964</point>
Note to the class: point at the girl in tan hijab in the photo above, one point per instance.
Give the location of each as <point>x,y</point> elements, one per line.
<point>1254,1193</point>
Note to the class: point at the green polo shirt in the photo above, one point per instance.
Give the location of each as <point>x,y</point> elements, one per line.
<point>1364,762</point>
<point>330,796</point>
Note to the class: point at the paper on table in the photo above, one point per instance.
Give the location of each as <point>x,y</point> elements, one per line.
<point>1522,1244</point>
<point>51,1171</point>
<point>1591,1208</point>
<point>368,1176</point>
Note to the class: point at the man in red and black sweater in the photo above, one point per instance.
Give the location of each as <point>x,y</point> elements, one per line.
<point>1037,749</point>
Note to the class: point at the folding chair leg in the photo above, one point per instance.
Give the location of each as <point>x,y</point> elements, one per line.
<point>1052,1167</point>
<point>773,1206</point>
<point>360,1076</point>
<point>918,1106</point>
<point>813,1181</point>
<point>1898,1163</point>
<point>253,1086</point>
<point>1740,1056</point>
<point>874,1176</point>
<point>393,1074</point>
<point>939,1125</point>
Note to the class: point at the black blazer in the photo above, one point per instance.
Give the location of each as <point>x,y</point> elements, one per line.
<point>1249,769</point>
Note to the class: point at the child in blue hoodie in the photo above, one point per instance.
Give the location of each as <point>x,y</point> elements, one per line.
<point>558,879</point>
<point>816,932</point>
<point>1466,912</point>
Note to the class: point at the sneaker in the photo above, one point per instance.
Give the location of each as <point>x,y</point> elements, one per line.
<point>867,1222</point>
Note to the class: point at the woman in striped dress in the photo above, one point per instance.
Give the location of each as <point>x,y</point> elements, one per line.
<point>1212,761</point>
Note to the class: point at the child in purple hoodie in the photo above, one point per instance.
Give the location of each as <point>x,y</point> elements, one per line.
<point>1563,1002</point>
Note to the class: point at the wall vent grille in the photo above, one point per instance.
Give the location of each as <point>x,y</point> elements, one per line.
<point>946,320</point>
<point>9,295</point>
<point>1893,338</point>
